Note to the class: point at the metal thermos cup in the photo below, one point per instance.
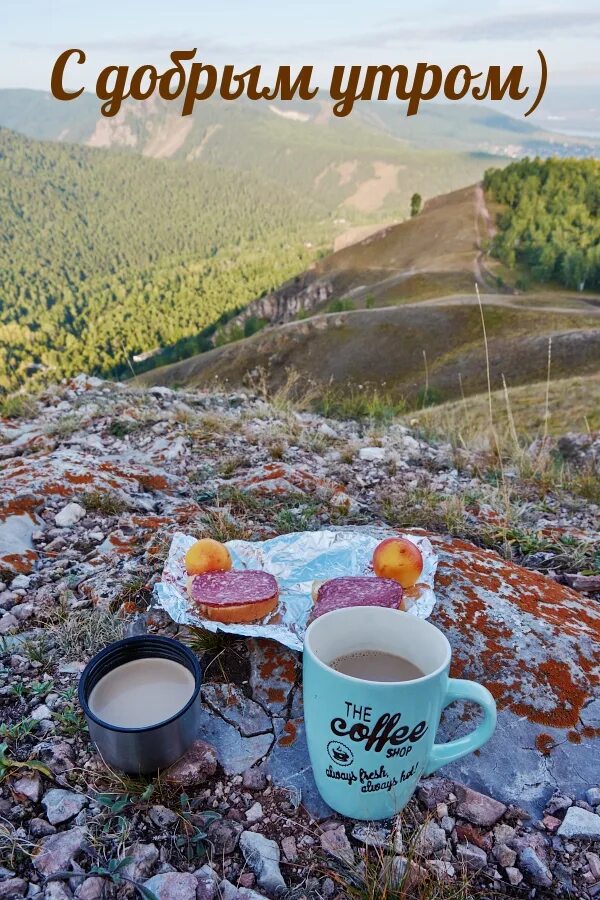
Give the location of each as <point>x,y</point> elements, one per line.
<point>142,750</point>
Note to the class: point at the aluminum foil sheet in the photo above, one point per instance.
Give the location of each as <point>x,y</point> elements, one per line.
<point>296,560</point>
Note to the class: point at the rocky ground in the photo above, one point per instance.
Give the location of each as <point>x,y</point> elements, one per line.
<point>95,479</point>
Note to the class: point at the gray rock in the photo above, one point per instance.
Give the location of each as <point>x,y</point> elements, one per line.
<point>371,454</point>
<point>430,839</point>
<point>504,855</point>
<point>255,813</point>
<point>371,835</point>
<point>593,796</point>
<point>254,779</point>
<point>40,713</point>
<point>57,755</point>
<point>517,605</point>
<point>336,843</point>
<point>208,882</point>
<point>234,752</point>
<point>12,888</point>
<point>434,790</point>
<point>40,828</point>
<point>8,623</point>
<point>173,886</point>
<point>92,888</point>
<point>29,786</point>
<point>195,767</point>
<point>473,857</point>
<point>535,868</point>
<point>263,856</point>
<point>57,890</point>
<point>144,857</point>
<point>557,803</point>
<point>290,851</point>
<point>58,851</point>
<point>69,515</point>
<point>237,709</point>
<point>62,805</point>
<point>162,816</point>
<point>514,876</point>
<point>478,808</point>
<point>224,835</point>
<point>579,823</point>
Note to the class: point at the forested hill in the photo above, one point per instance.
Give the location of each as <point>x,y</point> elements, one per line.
<point>104,255</point>
<point>550,223</point>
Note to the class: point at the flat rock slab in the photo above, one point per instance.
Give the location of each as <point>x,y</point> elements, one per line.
<point>235,752</point>
<point>534,644</point>
<point>289,766</point>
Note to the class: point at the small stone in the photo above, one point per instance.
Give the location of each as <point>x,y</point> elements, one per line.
<point>173,886</point>
<point>478,808</point>
<point>195,767</point>
<point>58,851</point>
<point>40,713</point>
<point>290,851</point>
<point>579,823</point>
<point>224,835</point>
<point>514,876</point>
<point>557,803</point>
<point>40,828</point>
<point>162,816</point>
<point>537,870</point>
<point>404,873</point>
<point>254,779</point>
<point>327,888</point>
<point>69,515</point>
<point>435,790</point>
<point>263,855</point>
<point>474,858</point>
<point>371,836</point>
<point>21,581</point>
<point>371,454</point>
<point>594,863</point>
<point>8,623</point>
<point>430,838</point>
<point>92,888</point>
<point>593,796</point>
<point>336,843</point>
<point>144,857</point>
<point>207,883</point>
<point>29,787</point>
<point>448,823</point>
<point>504,833</point>
<point>255,813</point>
<point>57,890</point>
<point>442,869</point>
<point>441,810</point>
<point>550,823</point>
<point>62,805</point>
<point>12,888</point>
<point>504,855</point>
<point>57,755</point>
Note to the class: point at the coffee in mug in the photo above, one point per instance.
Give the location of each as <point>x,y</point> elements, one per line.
<point>375,665</point>
<point>375,684</point>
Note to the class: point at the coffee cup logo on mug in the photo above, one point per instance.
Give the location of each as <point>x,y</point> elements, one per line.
<point>371,739</point>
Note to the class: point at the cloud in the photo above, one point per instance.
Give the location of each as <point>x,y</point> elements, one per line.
<point>525,26</point>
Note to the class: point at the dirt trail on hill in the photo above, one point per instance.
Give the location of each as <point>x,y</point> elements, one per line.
<point>589,307</point>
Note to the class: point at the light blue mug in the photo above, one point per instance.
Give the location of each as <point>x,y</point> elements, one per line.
<point>370,741</point>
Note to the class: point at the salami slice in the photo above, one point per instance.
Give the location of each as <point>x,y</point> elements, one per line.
<point>357,590</point>
<point>232,588</point>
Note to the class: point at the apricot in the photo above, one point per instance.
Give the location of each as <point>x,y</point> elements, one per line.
<point>399,559</point>
<point>207,555</point>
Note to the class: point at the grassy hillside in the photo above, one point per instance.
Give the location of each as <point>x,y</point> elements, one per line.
<point>104,255</point>
<point>385,347</point>
<point>403,312</point>
<point>573,404</point>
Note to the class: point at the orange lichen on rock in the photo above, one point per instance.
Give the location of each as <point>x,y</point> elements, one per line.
<point>544,744</point>
<point>290,732</point>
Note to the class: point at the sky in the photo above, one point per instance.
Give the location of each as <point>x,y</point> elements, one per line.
<point>305,32</point>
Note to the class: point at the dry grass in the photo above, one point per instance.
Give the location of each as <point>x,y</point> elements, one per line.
<point>79,635</point>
